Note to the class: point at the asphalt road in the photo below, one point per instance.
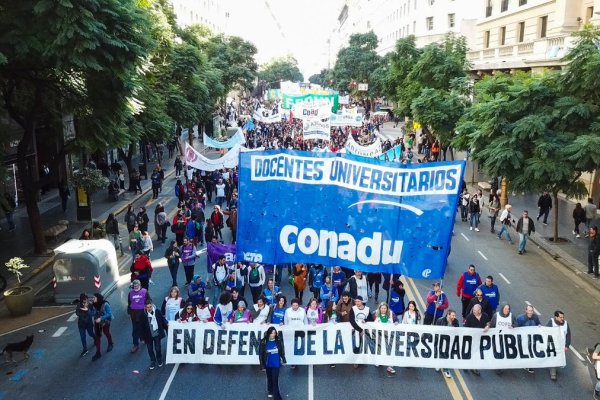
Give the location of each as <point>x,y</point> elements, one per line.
<point>56,371</point>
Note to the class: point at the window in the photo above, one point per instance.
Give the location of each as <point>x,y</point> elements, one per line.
<point>488,8</point>
<point>431,2</point>
<point>589,13</point>
<point>522,2</point>
<point>520,32</point>
<point>429,23</point>
<point>451,20</point>
<point>543,26</point>
<point>414,27</point>
<point>486,39</point>
<point>504,5</point>
<point>502,36</point>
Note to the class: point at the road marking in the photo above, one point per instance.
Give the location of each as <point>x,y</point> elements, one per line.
<point>311,385</point>
<point>481,254</point>
<point>72,318</point>
<point>576,353</point>
<point>60,331</point>
<point>534,309</point>
<point>503,277</point>
<point>163,395</point>
<point>463,384</point>
<point>466,238</point>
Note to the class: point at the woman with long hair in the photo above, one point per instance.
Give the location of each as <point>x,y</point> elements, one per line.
<point>272,356</point>
<point>173,256</point>
<point>411,314</point>
<point>172,304</point>
<point>103,317</point>
<point>384,315</point>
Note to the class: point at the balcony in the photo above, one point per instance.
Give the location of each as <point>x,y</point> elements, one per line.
<point>543,52</point>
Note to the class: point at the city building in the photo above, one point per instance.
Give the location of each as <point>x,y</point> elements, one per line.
<point>212,13</point>
<point>527,34</point>
<point>428,20</point>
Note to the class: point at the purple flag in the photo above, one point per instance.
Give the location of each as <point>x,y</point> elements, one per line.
<point>215,250</point>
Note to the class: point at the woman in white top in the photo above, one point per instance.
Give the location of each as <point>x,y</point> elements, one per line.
<point>411,315</point>
<point>384,315</point>
<point>205,311</point>
<point>172,304</point>
<point>147,245</point>
<point>314,313</point>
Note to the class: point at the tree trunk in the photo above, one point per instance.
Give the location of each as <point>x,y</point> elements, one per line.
<point>555,208</point>
<point>127,160</point>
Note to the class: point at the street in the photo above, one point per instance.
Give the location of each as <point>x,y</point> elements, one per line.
<point>534,278</point>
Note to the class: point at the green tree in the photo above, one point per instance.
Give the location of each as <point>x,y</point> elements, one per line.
<point>355,63</point>
<point>78,56</point>
<point>281,69</point>
<point>399,87</point>
<point>323,78</point>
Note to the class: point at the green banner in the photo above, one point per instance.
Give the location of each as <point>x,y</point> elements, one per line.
<point>289,101</point>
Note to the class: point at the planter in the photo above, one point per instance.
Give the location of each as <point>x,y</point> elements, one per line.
<point>19,300</point>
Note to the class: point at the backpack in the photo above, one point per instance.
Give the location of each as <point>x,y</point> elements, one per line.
<point>254,276</point>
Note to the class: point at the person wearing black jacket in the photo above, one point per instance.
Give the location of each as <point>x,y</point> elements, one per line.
<point>544,206</point>
<point>154,329</point>
<point>593,251</point>
<point>271,353</point>
<point>112,230</point>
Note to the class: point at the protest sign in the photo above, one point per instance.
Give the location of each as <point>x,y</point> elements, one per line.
<point>289,101</point>
<point>314,128</point>
<point>421,346</point>
<point>311,110</point>
<point>237,138</point>
<point>372,150</point>
<point>346,120</point>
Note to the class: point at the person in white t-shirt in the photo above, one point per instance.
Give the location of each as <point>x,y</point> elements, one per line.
<point>220,187</point>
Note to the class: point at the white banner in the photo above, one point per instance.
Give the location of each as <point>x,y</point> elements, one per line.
<point>237,138</point>
<point>363,87</point>
<point>316,129</point>
<point>265,116</point>
<point>312,109</point>
<point>381,344</point>
<point>344,99</point>
<point>346,120</point>
<point>372,150</point>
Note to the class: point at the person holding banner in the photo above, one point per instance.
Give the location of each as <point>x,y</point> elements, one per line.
<point>260,311</point>
<point>359,314</point>
<point>565,330</point>
<point>224,309</point>
<point>448,320</point>
<point>272,356</point>
<point>397,299</point>
<point>277,312</point>
<point>411,315</point>
<point>314,313</point>
<point>476,319</point>
<point>172,304</point>
<point>241,315</point>
<point>529,318</point>
<point>384,315</point>
<point>270,292</point>
<point>466,286</point>
<point>437,303</point>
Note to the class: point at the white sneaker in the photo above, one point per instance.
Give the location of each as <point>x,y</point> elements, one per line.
<point>573,232</point>
<point>476,229</point>
<point>470,228</point>
<point>577,236</point>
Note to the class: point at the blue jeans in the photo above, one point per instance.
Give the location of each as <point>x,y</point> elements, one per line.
<point>474,222</point>
<point>522,241</point>
<point>89,329</point>
<point>504,229</point>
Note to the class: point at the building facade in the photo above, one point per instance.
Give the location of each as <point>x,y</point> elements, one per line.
<point>527,34</point>
<point>212,13</point>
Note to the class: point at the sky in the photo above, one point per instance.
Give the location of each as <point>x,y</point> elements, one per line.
<point>280,27</point>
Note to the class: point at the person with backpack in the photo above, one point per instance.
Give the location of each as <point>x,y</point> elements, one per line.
<point>256,280</point>
<point>130,218</point>
<point>219,276</point>
<point>178,227</point>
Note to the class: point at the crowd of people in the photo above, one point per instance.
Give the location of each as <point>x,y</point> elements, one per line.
<point>335,295</point>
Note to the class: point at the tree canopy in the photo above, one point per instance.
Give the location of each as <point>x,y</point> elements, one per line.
<point>356,62</point>
<point>281,69</point>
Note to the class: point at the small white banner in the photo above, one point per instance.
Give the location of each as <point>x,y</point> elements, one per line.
<point>265,116</point>
<point>346,120</point>
<point>372,150</point>
<point>316,129</point>
<point>312,109</point>
<point>380,344</point>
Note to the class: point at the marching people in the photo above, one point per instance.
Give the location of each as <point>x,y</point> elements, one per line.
<point>474,211</point>
<point>188,313</point>
<point>172,304</point>
<point>241,314</point>
<point>397,299</point>
<point>480,300</point>
<point>476,319</point>
<point>314,313</point>
<point>494,209</point>
<point>102,318</point>
<point>270,292</point>
<point>272,357</point>
<point>188,259</point>
<point>260,311</point>
<point>316,277</point>
<point>300,273</point>
<point>136,301</point>
<point>411,315</point>
<point>384,315</point>
<point>579,216</point>
<point>491,293</point>
<point>205,311</point>
<point>85,321</point>
<point>196,289</point>
<point>525,228</point>
<point>141,269</point>
<point>505,220</point>
<point>329,293</point>
<point>466,286</point>
<point>448,320</point>
<point>529,318</point>
<point>173,255</point>
<point>154,328</point>
<point>277,312</point>
<point>112,230</point>
<point>256,280</point>
<point>357,285</point>
<point>565,330</point>
<point>437,303</point>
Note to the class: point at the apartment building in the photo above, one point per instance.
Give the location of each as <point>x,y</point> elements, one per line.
<point>212,13</point>
<point>527,34</point>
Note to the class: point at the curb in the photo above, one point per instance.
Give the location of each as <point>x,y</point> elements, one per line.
<point>119,211</point>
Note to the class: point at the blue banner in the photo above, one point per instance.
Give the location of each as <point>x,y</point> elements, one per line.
<point>237,138</point>
<point>336,209</point>
<point>394,154</point>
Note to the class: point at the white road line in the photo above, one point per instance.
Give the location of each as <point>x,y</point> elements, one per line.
<point>311,385</point>
<point>466,238</point>
<point>163,395</point>
<point>60,331</point>
<point>576,353</point>
<point>503,277</point>
<point>534,309</point>
<point>72,318</point>
<point>481,254</point>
